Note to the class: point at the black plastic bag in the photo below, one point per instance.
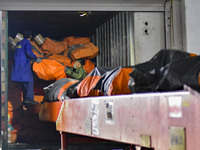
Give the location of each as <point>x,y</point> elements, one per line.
<point>146,76</point>
<point>180,73</point>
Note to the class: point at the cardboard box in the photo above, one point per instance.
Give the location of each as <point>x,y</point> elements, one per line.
<point>12,41</point>
<point>39,39</point>
<point>19,37</point>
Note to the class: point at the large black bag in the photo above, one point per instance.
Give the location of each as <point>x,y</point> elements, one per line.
<point>180,73</point>
<point>146,76</point>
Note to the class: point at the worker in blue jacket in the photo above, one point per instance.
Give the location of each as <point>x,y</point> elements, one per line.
<point>22,70</point>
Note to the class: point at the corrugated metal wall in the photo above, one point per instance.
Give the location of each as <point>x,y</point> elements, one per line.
<point>112,38</point>
<point>123,41</point>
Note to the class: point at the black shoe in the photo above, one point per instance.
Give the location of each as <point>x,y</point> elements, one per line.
<point>29,102</point>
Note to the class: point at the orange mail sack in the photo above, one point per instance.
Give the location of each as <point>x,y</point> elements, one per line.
<point>36,49</point>
<point>89,66</point>
<point>71,40</point>
<point>89,51</point>
<point>60,58</point>
<point>49,70</point>
<point>53,47</point>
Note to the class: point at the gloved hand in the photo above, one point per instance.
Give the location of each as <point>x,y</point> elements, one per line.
<point>39,59</point>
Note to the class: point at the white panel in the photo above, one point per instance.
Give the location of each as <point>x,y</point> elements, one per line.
<point>149,35</point>
<point>192,21</point>
<point>92,5</point>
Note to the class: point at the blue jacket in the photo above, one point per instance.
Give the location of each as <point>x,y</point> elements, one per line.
<point>21,69</point>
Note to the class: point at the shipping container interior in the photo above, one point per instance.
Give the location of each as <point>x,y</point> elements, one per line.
<point>126,33</point>
<point>111,31</point>
<point>119,33</point>
<point>108,30</point>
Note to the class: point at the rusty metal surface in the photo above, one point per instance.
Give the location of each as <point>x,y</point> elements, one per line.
<point>49,111</point>
<point>125,118</point>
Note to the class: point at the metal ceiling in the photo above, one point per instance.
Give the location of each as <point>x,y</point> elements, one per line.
<point>55,24</point>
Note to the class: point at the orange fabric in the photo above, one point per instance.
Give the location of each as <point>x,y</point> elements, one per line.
<point>119,84</point>
<point>38,52</point>
<point>65,87</point>
<point>36,46</point>
<point>89,66</point>
<point>193,55</point>
<point>53,47</point>
<point>13,136</point>
<point>85,87</point>
<point>72,64</point>
<point>38,98</point>
<point>60,58</point>
<point>10,111</point>
<point>66,52</point>
<point>49,70</point>
<point>88,51</point>
<point>71,40</point>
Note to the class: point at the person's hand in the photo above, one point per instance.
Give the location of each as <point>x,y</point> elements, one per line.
<point>39,59</point>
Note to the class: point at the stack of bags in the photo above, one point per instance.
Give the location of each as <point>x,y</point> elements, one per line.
<point>56,55</point>
<point>59,54</point>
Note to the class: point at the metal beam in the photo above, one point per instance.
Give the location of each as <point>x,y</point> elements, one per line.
<point>102,5</point>
<point>0,80</point>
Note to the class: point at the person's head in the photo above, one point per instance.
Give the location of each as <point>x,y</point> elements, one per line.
<point>82,61</point>
<point>77,64</point>
<point>27,34</point>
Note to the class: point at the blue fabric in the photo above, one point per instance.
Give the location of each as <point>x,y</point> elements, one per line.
<point>21,69</point>
<point>27,89</point>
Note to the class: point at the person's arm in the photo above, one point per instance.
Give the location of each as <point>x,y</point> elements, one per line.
<point>29,53</point>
